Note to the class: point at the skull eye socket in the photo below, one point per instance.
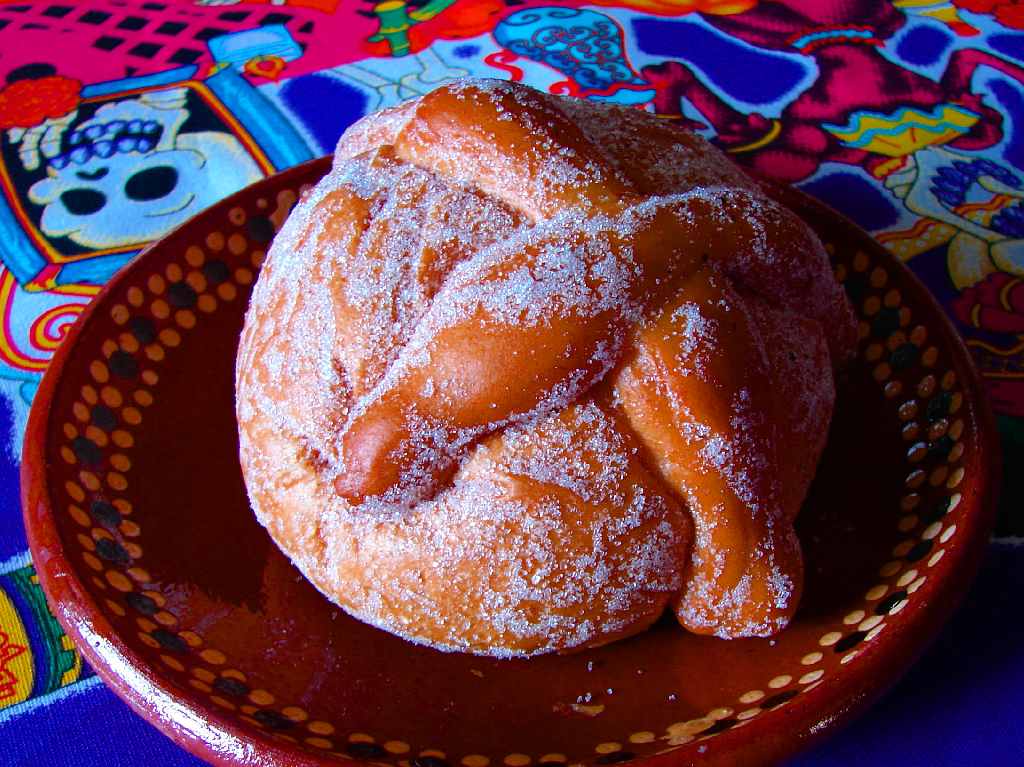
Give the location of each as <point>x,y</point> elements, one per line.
<point>83,202</point>
<point>151,183</point>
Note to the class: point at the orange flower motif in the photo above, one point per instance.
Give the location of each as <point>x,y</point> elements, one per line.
<point>27,103</point>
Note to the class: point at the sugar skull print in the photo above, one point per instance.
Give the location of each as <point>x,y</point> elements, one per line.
<point>131,172</point>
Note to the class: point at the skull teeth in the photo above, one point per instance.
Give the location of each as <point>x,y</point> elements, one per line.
<point>103,140</point>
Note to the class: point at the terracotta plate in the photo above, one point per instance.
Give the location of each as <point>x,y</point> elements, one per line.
<point>145,543</point>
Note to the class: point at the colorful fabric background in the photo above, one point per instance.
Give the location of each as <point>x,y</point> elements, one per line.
<point>906,115</point>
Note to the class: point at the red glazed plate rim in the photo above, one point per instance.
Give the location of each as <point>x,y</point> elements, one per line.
<point>221,739</point>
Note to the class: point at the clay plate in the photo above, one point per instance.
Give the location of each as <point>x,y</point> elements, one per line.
<point>153,562</point>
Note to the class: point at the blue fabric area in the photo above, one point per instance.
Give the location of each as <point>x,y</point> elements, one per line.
<point>467,51</point>
<point>145,81</point>
<point>960,705</point>
<point>855,197</point>
<point>731,61</point>
<point>306,97</point>
<point>1011,99</point>
<point>923,45</point>
<point>12,531</point>
<point>1009,45</point>
<point>21,256</point>
<point>272,130</point>
<point>94,271</point>
<point>88,727</point>
<point>932,268</point>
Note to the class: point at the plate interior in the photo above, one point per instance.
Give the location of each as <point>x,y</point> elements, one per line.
<point>148,499</point>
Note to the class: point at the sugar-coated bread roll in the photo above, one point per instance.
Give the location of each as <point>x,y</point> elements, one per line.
<point>521,372</point>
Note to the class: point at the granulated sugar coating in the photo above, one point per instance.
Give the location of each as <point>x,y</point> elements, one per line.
<point>522,372</point>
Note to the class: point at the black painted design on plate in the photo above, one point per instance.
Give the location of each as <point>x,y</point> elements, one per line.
<point>921,548</point>
<point>850,641</point>
<point>123,365</point>
<point>112,551</point>
<point>87,451</point>
<point>105,513</point>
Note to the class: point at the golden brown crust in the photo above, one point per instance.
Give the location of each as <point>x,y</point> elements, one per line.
<point>511,383</point>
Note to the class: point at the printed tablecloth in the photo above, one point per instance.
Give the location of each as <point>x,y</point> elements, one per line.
<point>906,115</point>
